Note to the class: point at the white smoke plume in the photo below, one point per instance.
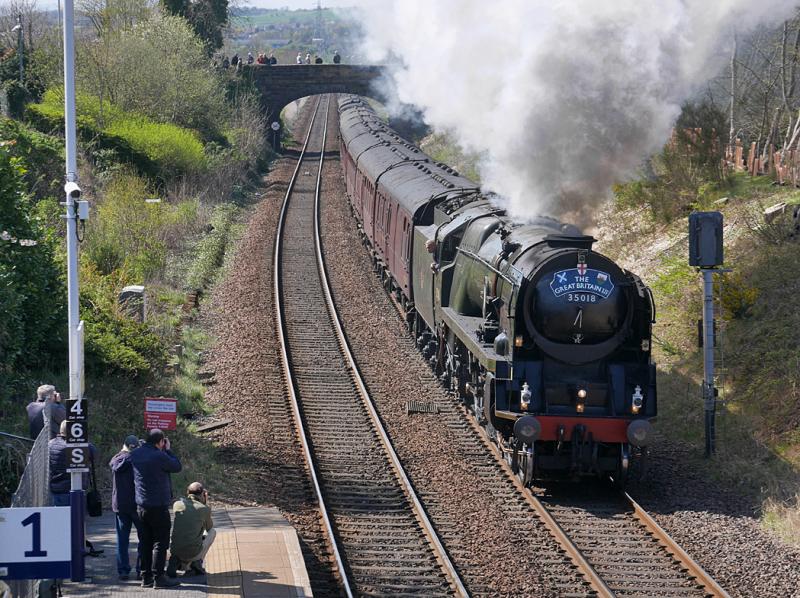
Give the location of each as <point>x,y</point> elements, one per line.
<point>560,99</point>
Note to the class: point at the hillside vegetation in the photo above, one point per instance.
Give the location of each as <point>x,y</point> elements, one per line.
<point>169,152</point>
<point>758,431</point>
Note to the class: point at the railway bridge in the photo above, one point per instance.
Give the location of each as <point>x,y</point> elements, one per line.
<point>281,84</point>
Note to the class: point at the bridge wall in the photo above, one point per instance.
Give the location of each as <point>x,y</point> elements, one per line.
<point>281,84</point>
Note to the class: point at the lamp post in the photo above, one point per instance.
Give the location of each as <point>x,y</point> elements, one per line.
<point>76,209</point>
<point>20,47</point>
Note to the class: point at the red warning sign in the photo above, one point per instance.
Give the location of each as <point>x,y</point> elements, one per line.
<point>161,413</point>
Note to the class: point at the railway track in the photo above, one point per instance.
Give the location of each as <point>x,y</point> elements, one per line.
<point>380,538</point>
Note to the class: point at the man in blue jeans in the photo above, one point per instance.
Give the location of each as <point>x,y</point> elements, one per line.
<point>123,503</point>
<point>152,463</point>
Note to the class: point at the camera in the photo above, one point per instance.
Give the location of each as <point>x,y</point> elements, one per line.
<point>72,189</point>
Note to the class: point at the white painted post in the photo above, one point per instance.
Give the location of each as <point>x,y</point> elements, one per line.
<point>72,192</point>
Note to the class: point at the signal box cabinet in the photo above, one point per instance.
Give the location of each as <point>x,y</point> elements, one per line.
<point>705,239</point>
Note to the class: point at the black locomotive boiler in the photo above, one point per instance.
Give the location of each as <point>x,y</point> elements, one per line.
<point>546,340</point>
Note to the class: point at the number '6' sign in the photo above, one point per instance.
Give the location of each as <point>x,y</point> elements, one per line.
<point>77,432</point>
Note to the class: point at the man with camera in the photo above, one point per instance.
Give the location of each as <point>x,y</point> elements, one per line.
<point>46,395</point>
<point>193,532</point>
<point>153,462</point>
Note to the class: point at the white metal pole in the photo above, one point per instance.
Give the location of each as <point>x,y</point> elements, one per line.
<point>71,215</point>
<point>20,49</point>
<point>709,398</point>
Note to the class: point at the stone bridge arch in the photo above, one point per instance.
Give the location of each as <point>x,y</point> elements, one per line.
<point>281,84</point>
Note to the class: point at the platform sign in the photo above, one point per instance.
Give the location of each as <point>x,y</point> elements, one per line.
<point>77,409</point>
<point>35,543</point>
<point>161,413</point>
<point>77,432</point>
<point>78,458</point>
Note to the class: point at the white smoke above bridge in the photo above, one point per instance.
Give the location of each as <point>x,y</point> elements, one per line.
<point>560,99</point>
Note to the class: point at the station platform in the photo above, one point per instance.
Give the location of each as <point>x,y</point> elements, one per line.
<point>256,555</point>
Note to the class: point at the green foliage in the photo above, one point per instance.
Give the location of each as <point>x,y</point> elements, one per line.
<point>115,343</point>
<point>130,235</point>
<point>31,309</point>
<point>157,68</point>
<point>42,155</point>
<point>687,174</point>
<point>156,149</point>
<point>18,97</point>
<point>210,251</point>
<point>207,18</point>
<point>737,296</point>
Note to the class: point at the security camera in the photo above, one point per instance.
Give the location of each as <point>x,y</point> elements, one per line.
<point>72,190</point>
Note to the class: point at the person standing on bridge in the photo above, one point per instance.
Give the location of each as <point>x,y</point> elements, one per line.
<point>272,60</point>
<point>308,57</point>
<point>336,58</point>
<point>250,58</point>
<point>299,58</point>
<point>318,60</point>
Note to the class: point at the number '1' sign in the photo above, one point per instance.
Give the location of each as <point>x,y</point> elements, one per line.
<point>36,543</point>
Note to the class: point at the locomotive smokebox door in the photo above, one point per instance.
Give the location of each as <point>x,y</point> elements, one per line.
<point>705,239</point>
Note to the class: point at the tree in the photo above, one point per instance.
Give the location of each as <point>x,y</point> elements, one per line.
<point>208,18</point>
<point>158,68</point>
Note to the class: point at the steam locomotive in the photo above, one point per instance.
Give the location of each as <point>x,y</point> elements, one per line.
<point>544,339</point>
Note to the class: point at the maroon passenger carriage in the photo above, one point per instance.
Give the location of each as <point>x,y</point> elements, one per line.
<point>545,340</point>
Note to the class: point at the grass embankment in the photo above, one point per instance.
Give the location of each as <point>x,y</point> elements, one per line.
<point>758,424</point>
<point>173,245</point>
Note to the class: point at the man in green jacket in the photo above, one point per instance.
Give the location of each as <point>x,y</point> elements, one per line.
<point>192,532</point>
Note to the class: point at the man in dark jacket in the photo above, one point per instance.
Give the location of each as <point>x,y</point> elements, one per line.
<point>45,394</point>
<point>123,503</point>
<point>152,463</point>
<point>60,477</point>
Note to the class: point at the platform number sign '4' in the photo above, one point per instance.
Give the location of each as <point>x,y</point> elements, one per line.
<point>77,410</point>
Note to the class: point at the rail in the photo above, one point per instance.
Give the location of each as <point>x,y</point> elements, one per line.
<point>287,368</point>
<point>422,522</point>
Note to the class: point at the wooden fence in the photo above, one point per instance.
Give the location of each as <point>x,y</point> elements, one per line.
<point>783,165</point>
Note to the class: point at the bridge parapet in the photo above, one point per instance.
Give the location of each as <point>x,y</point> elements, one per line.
<point>281,84</point>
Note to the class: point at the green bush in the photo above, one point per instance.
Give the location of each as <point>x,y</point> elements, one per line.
<point>156,149</point>
<point>42,155</point>
<point>131,235</point>
<point>114,342</point>
<point>31,292</point>
<point>210,251</point>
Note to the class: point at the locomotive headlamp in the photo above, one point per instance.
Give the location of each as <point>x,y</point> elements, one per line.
<point>645,345</point>
<point>525,397</point>
<point>527,429</point>
<point>518,341</point>
<point>637,400</point>
<point>580,404</point>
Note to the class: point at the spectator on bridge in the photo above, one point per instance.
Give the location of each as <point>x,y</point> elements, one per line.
<point>261,59</point>
<point>123,503</point>
<point>250,58</point>
<point>308,57</point>
<point>153,462</point>
<point>299,58</point>
<point>225,62</point>
<point>235,61</point>
<point>189,545</point>
<point>336,58</point>
<point>45,395</point>
<point>318,60</point>
<point>272,60</point>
